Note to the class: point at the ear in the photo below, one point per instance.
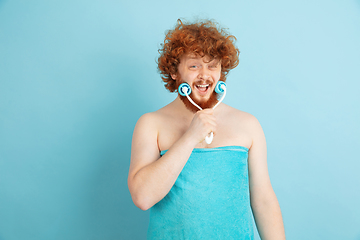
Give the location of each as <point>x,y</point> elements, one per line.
<point>173,76</point>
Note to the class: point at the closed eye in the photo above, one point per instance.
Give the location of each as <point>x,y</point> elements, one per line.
<point>214,64</point>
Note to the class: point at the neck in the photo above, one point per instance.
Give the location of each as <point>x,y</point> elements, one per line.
<point>182,109</point>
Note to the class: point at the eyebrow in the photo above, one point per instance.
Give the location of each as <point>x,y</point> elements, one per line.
<point>213,61</point>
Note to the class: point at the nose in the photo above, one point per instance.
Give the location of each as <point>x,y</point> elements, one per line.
<point>204,73</point>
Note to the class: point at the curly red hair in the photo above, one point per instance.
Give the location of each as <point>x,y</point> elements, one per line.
<point>204,38</point>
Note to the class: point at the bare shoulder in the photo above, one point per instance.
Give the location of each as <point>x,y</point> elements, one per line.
<point>145,133</point>
<point>152,119</point>
<point>148,119</point>
<point>241,117</point>
<point>148,127</point>
<point>239,126</point>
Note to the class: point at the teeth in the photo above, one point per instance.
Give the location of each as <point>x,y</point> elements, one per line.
<point>202,85</point>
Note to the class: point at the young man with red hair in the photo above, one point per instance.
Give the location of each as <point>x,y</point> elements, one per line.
<point>197,190</point>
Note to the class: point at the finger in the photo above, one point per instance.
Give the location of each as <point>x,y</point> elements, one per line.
<point>207,111</point>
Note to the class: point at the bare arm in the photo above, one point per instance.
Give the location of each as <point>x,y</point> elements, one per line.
<point>150,176</point>
<point>264,203</point>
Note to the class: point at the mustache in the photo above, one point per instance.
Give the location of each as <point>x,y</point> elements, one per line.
<point>202,82</point>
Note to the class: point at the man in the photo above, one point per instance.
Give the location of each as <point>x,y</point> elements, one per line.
<point>197,190</point>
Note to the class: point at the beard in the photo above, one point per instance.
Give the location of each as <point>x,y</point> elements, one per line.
<point>213,99</point>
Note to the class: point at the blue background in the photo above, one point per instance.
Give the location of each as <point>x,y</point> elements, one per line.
<point>76,75</point>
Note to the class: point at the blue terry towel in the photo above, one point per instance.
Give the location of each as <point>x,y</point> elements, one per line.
<point>209,200</point>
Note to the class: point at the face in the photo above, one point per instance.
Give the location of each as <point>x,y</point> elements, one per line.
<point>202,75</point>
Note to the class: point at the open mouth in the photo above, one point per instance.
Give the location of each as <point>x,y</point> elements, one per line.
<point>203,88</point>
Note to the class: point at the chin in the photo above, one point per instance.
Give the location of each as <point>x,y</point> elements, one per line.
<point>203,104</point>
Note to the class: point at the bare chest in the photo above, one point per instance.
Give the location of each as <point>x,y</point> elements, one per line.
<point>229,133</point>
